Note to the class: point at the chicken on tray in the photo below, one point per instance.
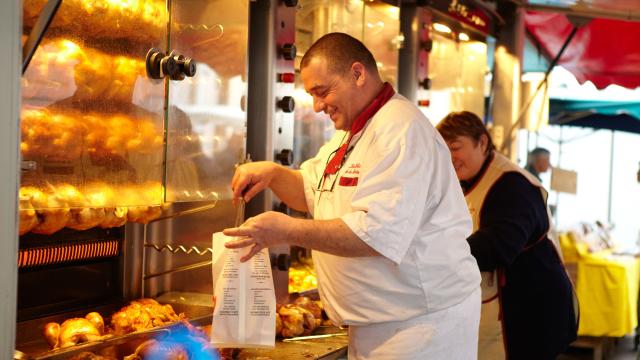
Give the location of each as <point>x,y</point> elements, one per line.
<point>185,342</point>
<point>74,331</point>
<point>299,318</point>
<point>142,314</point>
<point>139,315</point>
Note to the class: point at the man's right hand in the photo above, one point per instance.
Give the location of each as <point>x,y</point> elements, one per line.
<point>251,178</point>
<point>287,184</point>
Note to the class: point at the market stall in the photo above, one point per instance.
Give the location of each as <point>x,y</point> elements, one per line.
<point>607,286</point>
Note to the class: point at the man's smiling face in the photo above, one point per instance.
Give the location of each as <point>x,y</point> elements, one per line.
<point>334,94</point>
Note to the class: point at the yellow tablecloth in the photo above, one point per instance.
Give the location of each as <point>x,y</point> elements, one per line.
<point>607,289</point>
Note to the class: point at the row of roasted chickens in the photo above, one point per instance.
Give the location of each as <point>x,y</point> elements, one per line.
<point>61,68</point>
<point>298,318</point>
<point>138,315</point>
<point>50,208</point>
<point>66,136</point>
<point>186,342</point>
<point>134,20</point>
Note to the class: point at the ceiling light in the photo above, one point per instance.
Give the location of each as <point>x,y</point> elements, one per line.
<point>441,28</point>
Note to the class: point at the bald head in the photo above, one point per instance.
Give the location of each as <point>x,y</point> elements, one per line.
<point>340,51</point>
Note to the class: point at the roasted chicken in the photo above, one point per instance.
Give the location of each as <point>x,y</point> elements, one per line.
<point>50,136</point>
<point>53,212</point>
<point>292,321</point>
<point>142,314</point>
<point>314,307</point>
<point>97,321</point>
<point>28,216</point>
<point>143,197</point>
<point>62,68</point>
<point>278,324</point>
<point>299,318</point>
<point>84,213</point>
<point>100,194</point>
<point>117,135</point>
<point>74,331</point>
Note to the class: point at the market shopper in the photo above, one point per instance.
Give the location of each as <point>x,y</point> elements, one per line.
<point>538,161</point>
<point>389,220</point>
<point>525,289</point>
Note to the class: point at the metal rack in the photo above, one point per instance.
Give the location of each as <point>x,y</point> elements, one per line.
<point>175,249</point>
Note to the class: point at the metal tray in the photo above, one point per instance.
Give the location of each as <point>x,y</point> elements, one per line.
<point>31,344</point>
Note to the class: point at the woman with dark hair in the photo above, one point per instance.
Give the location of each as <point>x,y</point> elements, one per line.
<point>528,303</point>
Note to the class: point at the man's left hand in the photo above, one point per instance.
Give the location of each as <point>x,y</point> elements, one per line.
<point>259,232</point>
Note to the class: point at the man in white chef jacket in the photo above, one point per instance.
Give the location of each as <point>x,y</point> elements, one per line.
<point>389,221</point>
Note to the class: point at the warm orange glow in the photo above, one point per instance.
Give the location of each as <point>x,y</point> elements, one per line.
<point>301,279</point>
<point>64,205</point>
<point>87,73</point>
<point>67,253</point>
<point>105,136</point>
<point>141,20</point>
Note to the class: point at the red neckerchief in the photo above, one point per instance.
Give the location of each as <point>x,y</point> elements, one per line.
<point>358,124</point>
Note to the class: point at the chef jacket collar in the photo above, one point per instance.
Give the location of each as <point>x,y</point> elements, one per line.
<point>356,127</point>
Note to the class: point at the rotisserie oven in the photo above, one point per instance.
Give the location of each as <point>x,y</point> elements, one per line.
<point>131,124</point>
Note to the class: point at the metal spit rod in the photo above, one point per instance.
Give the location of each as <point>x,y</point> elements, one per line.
<point>174,249</point>
<point>180,248</point>
<point>238,222</point>
<point>240,213</point>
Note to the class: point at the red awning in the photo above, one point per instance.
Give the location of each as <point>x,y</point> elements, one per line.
<point>604,51</point>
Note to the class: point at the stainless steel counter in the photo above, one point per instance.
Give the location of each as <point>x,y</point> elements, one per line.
<point>325,348</point>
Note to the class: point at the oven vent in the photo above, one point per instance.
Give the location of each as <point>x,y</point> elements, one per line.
<point>58,254</point>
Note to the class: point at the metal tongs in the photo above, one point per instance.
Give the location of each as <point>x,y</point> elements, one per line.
<point>240,212</point>
<point>312,337</point>
<point>241,203</point>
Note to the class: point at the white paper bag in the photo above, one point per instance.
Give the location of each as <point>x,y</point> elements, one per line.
<point>245,312</point>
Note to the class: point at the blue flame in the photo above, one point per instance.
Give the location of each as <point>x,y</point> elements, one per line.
<point>196,346</point>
